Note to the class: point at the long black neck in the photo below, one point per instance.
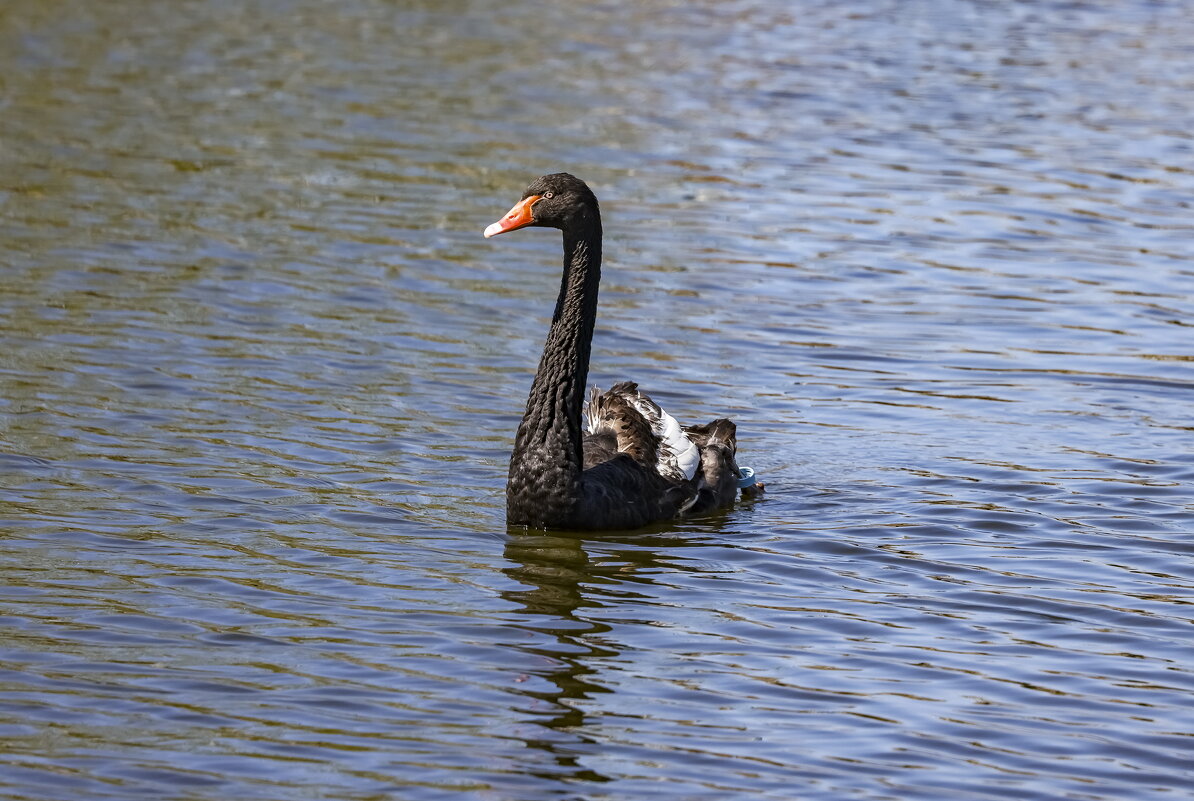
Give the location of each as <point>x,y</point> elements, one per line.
<point>547,461</point>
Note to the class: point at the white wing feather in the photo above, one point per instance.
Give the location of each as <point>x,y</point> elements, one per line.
<point>678,457</point>
<point>589,412</point>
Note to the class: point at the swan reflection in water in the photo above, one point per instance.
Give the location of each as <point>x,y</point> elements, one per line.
<point>561,581</point>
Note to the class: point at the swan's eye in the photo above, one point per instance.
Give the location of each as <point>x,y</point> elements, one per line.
<point>548,195</point>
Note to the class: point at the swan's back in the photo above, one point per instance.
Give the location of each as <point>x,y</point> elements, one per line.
<point>625,420</point>
<point>688,470</point>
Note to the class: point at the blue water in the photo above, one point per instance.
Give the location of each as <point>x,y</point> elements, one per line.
<point>261,375</point>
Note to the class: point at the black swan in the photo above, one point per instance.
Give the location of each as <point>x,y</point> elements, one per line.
<point>633,464</point>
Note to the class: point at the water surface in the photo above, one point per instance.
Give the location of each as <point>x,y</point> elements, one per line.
<point>261,375</point>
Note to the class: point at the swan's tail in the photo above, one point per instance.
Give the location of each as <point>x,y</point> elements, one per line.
<point>720,478</point>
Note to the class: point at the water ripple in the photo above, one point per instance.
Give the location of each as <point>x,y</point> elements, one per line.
<point>262,376</point>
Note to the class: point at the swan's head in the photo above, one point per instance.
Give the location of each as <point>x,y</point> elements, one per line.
<point>558,200</point>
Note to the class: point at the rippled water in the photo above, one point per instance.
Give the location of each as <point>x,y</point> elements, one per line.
<point>261,374</point>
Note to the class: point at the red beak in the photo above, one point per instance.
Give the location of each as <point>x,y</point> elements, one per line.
<point>518,217</point>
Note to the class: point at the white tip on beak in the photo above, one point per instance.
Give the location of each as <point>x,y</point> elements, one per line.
<point>496,228</point>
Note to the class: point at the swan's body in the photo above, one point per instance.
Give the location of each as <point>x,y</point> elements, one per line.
<point>632,463</point>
